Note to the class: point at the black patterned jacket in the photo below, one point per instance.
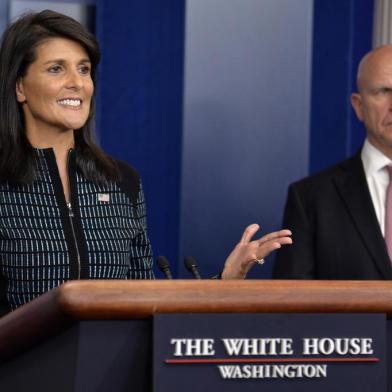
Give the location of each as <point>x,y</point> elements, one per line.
<point>45,242</point>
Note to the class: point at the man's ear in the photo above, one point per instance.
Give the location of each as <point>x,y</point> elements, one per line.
<point>20,97</point>
<point>356,103</point>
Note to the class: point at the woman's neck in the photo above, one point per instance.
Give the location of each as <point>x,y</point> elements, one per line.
<point>60,142</point>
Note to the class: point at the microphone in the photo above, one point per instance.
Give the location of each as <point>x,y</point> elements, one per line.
<point>191,266</point>
<point>164,266</point>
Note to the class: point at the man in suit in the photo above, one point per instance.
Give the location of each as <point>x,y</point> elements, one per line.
<point>339,217</point>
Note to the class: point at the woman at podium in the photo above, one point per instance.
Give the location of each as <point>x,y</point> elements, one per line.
<point>67,209</point>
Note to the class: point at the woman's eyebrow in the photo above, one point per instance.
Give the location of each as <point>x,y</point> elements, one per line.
<point>60,60</point>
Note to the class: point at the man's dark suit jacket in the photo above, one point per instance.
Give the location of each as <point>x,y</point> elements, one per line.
<point>336,234</point>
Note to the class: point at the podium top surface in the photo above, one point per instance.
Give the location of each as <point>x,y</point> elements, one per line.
<point>122,299</point>
<point>125,299</point>
<point>141,299</point>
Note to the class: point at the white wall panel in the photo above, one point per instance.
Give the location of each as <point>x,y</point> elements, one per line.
<point>246,118</point>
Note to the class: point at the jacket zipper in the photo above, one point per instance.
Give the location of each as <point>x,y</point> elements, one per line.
<point>71,216</point>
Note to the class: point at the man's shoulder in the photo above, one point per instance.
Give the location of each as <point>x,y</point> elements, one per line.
<point>326,177</point>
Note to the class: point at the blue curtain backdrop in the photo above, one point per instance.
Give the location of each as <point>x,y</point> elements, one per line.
<point>140,102</point>
<point>342,34</point>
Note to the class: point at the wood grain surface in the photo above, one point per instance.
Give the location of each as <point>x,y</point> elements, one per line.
<point>119,299</point>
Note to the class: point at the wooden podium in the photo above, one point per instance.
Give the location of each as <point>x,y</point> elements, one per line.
<point>96,335</point>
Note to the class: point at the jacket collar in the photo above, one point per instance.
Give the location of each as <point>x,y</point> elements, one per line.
<point>352,186</point>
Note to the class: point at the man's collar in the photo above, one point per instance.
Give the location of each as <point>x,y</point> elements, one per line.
<point>373,159</point>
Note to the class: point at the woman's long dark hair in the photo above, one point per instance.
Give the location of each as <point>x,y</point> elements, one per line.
<point>17,52</point>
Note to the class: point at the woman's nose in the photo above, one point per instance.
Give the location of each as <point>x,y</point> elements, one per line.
<point>74,80</point>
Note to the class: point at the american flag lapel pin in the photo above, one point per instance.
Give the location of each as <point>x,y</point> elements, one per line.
<point>104,197</point>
